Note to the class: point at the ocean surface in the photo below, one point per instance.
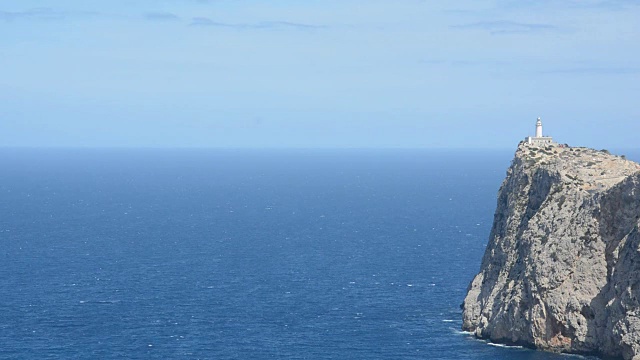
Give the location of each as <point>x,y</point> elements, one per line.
<point>243,254</point>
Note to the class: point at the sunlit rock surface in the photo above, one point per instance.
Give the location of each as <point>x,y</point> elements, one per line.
<point>562,267</point>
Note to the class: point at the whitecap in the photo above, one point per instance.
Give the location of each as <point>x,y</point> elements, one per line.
<point>460,332</point>
<point>107,302</point>
<point>505,346</point>
<point>577,356</point>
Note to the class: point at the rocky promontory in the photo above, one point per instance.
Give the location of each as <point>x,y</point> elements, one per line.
<point>561,271</point>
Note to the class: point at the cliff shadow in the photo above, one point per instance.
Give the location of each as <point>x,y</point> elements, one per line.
<point>618,216</point>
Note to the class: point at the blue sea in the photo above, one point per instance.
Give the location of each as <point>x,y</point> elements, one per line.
<point>243,254</point>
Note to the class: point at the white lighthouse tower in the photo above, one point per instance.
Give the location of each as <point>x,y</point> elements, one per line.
<point>539,139</point>
<point>539,128</point>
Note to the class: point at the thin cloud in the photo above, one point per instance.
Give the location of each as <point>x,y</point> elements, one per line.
<point>466,63</point>
<point>265,25</point>
<point>47,14</point>
<point>31,14</point>
<point>203,21</point>
<point>596,70</point>
<point>161,16</point>
<point>613,5</point>
<point>274,24</point>
<point>507,27</point>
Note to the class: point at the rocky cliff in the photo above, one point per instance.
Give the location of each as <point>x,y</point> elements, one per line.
<point>562,267</point>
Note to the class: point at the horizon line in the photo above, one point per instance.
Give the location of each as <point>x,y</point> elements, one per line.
<point>119,147</point>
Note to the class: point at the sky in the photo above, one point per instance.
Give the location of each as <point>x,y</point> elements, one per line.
<point>318,74</point>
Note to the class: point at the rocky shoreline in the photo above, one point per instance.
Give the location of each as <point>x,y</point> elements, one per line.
<point>562,267</point>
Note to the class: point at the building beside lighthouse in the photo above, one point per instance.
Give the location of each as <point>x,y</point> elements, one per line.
<point>539,139</point>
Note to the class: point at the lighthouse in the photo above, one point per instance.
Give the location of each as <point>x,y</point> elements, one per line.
<point>539,139</point>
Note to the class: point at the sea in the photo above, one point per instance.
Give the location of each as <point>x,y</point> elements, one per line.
<point>244,254</point>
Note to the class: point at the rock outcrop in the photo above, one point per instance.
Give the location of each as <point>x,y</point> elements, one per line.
<point>562,267</point>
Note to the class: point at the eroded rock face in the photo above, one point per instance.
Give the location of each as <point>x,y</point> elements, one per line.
<point>562,267</point>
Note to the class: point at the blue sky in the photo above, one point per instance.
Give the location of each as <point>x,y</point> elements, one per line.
<point>347,73</point>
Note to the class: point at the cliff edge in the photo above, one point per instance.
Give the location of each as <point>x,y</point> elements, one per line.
<point>561,271</point>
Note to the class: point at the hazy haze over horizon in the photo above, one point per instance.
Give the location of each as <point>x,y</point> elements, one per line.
<point>353,73</point>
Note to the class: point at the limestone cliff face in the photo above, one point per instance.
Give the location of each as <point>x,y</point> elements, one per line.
<point>562,267</point>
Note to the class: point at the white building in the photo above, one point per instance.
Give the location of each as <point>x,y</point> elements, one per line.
<point>539,139</point>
